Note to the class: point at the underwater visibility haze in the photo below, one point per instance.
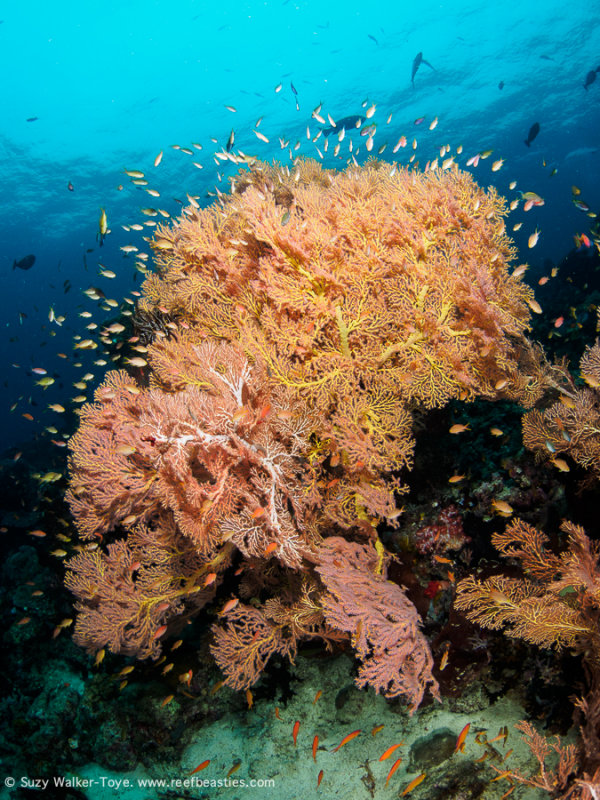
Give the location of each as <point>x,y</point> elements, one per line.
<point>301,400</point>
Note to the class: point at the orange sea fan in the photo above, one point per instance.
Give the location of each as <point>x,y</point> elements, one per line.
<point>353,286</point>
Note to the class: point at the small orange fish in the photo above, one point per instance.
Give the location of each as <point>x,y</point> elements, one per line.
<point>558,322</point>
<point>210,578</point>
<point>319,778</point>
<point>346,739</point>
<point>497,738</point>
<point>533,239</point>
<point>318,694</point>
<point>395,766</point>
<point>249,698</point>
<point>262,414</point>
<point>390,750</point>
<point>160,632</point>
<point>502,507</point>
<point>200,767</point>
<point>315,744</point>
<point>258,512</point>
<point>185,677</point>
<point>24,621</point>
<point>414,783</point>
<point>165,702</point>
<point>269,549</point>
<point>229,605</point>
<point>460,742</point>
<point>240,414</point>
<point>496,432</point>
<point>459,428</point>
<point>277,712</point>
<point>295,730</point>
<point>456,479</point>
<point>444,659</point>
<point>442,560</point>
<point>234,768</point>
<point>376,729</point>
<point>38,533</point>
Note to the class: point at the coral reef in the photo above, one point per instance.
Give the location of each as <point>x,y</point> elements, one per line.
<point>293,329</point>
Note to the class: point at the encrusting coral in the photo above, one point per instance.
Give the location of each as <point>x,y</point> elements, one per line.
<point>295,326</point>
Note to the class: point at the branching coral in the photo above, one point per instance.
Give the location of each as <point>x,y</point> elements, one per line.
<point>570,426</point>
<point>364,293</point>
<point>292,329</point>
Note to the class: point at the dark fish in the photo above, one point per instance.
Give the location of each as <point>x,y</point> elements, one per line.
<point>533,132</point>
<point>589,78</point>
<point>293,88</point>
<point>31,119</point>
<point>230,141</point>
<point>353,121</point>
<point>501,85</point>
<point>374,39</point>
<point>416,64</point>
<point>547,58</point>
<point>70,187</point>
<point>24,263</point>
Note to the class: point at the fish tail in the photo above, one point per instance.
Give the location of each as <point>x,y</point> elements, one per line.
<point>527,143</point>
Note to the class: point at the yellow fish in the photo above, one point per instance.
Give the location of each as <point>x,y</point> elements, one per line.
<point>102,227</point>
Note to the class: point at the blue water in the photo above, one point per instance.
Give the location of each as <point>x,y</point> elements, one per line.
<point>111,85</point>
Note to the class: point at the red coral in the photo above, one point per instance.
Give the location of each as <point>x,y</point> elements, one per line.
<point>445,534</point>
